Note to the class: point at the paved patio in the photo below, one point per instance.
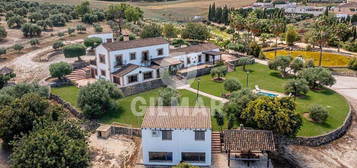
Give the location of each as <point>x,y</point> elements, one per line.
<point>219,160</point>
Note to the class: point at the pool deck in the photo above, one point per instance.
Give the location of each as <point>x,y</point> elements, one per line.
<point>268,91</point>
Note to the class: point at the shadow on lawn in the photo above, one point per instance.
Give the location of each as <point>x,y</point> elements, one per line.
<point>278,75</point>
<point>114,113</point>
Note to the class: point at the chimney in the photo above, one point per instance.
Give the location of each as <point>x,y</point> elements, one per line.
<point>241,127</point>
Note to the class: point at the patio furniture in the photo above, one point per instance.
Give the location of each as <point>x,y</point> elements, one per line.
<point>257,88</point>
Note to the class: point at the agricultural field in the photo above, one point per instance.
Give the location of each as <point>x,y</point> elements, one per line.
<point>328,59</point>
<point>180,10</point>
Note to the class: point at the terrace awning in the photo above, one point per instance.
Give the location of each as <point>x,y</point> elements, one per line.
<point>212,53</point>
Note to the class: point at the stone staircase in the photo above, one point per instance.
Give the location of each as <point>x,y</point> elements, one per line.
<point>79,74</point>
<point>216,142</point>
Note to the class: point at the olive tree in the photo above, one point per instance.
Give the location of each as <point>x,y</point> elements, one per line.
<point>232,85</point>
<point>92,42</point>
<point>296,87</point>
<point>97,98</point>
<point>34,42</point>
<point>60,69</point>
<point>57,45</point>
<point>317,77</point>
<point>18,47</point>
<point>280,63</point>
<point>74,50</point>
<point>3,33</point>
<point>318,113</point>
<point>57,144</point>
<point>168,97</point>
<point>151,30</point>
<point>195,31</point>
<point>31,30</point>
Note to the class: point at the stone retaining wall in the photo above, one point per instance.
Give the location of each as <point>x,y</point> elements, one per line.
<point>349,74</point>
<point>66,105</point>
<point>198,72</point>
<point>142,87</point>
<point>322,139</point>
<point>117,129</point>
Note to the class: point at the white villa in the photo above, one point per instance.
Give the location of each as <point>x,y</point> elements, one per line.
<point>171,135</point>
<point>131,62</point>
<point>106,37</point>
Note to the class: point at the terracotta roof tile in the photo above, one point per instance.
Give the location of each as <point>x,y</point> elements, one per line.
<point>195,48</point>
<point>125,69</point>
<point>122,45</point>
<point>177,117</point>
<point>248,140</point>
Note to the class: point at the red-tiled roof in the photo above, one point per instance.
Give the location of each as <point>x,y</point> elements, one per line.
<point>177,117</point>
<point>125,70</point>
<point>195,48</point>
<point>248,140</point>
<point>122,45</point>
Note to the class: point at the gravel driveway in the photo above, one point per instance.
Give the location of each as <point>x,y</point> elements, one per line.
<point>28,70</point>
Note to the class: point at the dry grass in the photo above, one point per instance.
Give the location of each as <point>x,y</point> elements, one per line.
<point>328,59</point>
<point>172,10</point>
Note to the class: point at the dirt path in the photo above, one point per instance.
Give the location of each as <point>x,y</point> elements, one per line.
<point>342,152</point>
<point>28,70</point>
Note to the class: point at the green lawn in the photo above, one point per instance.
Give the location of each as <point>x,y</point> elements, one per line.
<point>135,104</point>
<point>270,80</point>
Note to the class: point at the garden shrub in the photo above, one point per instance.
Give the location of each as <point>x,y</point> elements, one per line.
<point>318,113</point>
<point>353,64</point>
<point>232,85</point>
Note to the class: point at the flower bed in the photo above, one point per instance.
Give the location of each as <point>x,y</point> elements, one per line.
<point>328,59</point>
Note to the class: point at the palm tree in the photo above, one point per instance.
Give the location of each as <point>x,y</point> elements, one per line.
<point>322,32</point>
<point>277,27</point>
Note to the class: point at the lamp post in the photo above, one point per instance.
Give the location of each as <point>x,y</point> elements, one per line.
<point>198,87</point>
<point>247,73</point>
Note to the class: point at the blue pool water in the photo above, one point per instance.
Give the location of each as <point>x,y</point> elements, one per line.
<point>267,94</point>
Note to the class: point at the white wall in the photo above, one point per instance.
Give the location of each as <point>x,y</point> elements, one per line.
<point>182,141</point>
<point>126,55</point>
<point>194,58</point>
<point>100,66</point>
<point>104,36</point>
<point>140,75</point>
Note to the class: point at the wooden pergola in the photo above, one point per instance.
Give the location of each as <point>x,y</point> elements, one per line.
<point>244,145</point>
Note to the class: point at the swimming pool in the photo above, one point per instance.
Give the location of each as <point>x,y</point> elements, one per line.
<point>267,94</point>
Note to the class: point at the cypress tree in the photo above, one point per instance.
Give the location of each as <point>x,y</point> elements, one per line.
<point>213,12</point>
<point>225,15</point>
<point>209,12</point>
<point>218,17</point>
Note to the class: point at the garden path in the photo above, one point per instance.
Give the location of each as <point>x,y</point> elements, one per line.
<point>188,87</point>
